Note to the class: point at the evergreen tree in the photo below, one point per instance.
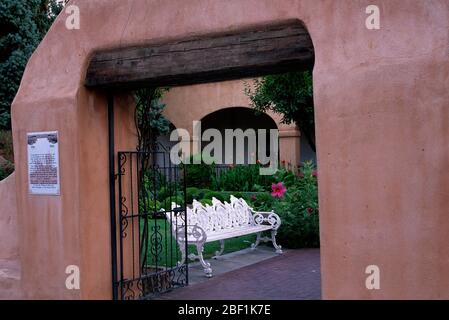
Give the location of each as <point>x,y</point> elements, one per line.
<point>23,24</point>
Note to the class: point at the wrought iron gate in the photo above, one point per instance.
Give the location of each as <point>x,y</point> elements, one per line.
<point>147,252</point>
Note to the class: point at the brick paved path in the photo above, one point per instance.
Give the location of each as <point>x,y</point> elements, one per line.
<point>295,275</point>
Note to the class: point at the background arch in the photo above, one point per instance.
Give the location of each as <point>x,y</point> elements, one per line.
<point>238,118</point>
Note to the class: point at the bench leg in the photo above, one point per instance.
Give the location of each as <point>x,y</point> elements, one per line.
<point>273,240</point>
<point>220,252</point>
<point>206,265</point>
<point>182,248</point>
<point>192,257</point>
<point>255,244</point>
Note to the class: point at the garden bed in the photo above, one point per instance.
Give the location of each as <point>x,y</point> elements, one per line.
<point>294,197</point>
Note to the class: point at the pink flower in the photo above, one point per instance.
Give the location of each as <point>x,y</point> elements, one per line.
<point>315,174</point>
<point>253,197</point>
<point>278,190</point>
<point>310,210</point>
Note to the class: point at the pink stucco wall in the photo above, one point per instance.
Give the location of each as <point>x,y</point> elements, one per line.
<point>382,135</point>
<point>10,285</point>
<point>8,219</point>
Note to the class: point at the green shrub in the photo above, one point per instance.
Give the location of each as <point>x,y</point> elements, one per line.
<point>195,193</point>
<point>259,188</point>
<point>167,190</point>
<point>166,204</point>
<point>192,190</point>
<point>214,194</point>
<point>198,175</point>
<point>285,176</point>
<point>225,196</point>
<point>149,205</point>
<point>242,178</point>
<point>300,221</point>
<point>153,180</point>
<point>206,202</point>
<point>299,211</point>
<point>238,195</point>
<point>191,194</point>
<point>248,196</point>
<point>199,194</point>
<point>262,201</point>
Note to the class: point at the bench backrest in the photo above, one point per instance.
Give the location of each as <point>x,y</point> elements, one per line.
<point>216,217</point>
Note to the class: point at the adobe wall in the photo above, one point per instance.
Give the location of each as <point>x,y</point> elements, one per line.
<point>382,135</point>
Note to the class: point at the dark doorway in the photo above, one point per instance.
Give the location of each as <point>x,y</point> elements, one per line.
<point>238,118</point>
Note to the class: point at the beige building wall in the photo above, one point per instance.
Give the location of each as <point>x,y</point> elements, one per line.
<point>192,103</point>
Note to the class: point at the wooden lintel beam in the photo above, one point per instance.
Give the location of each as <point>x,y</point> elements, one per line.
<point>252,52</point>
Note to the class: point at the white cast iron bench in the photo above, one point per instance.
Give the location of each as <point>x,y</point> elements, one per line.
<point>219,222</point>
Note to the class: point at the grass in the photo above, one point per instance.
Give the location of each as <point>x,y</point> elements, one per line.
<point>169,253</point>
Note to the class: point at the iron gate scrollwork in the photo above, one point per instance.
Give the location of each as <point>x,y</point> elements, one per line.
<point>148,255</point>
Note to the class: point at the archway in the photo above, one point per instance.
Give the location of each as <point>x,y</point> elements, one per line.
<point>238,118</point>
<point>280,46</point>
<point>360,76</point>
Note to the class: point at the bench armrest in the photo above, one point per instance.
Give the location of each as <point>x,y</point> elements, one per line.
<point>267,218</point>
<point>194,232</point>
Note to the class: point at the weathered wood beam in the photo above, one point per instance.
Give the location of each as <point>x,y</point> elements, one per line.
<point>252,52</point>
